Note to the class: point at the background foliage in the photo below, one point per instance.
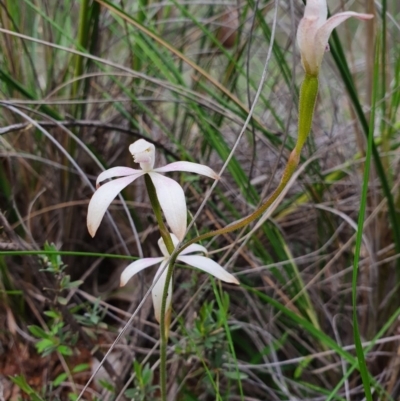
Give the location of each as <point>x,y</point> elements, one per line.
<point>79,82</point>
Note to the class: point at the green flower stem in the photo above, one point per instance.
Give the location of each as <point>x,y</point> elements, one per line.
<point>170,248</point>
<point>308,98</point>
<point>164,335</point>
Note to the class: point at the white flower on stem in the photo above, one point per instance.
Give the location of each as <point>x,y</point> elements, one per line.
<point>200,262</point>
<point>169,192</point>
<point>314,31</point>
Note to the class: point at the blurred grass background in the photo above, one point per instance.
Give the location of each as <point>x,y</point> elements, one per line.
<point>79,82</point>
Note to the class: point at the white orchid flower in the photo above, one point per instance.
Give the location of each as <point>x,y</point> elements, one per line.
<point>201,262</point>
<point>169,192</point>
<point>314,31</point>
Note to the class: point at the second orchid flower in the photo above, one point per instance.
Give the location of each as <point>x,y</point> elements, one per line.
<point>314,32</point>
<point>198,261</point>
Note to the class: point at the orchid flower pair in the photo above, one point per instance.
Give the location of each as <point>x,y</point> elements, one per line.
<point>172,201</point>
<point>312,36</point>
<point>314,31</point>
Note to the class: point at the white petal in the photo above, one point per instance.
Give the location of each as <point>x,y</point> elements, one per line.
<point>306,40</point>
<point>158,290</point>
<point>102,198</point>
<point>137,266</point>
<point>194,248</point>
<point>210,267</point>
<point>190,168</point>
<point>117,172</point>
<point>324,32</point>
<point>172,200</point>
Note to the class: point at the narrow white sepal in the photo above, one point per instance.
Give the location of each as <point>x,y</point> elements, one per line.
<point>101,200</point>
<point>209,266</point>
<point>137,266</point>
<point>324,32</point>
<point>117,172</point>
<point>158,290</point>
<point>188,167</point>
<point>194,248</point>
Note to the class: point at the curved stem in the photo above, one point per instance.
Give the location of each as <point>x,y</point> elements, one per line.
<point>287,174</point>
<point>308,97</point>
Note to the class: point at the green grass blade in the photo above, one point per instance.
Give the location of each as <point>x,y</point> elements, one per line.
<point>360,226</point>
<point>340,60</point>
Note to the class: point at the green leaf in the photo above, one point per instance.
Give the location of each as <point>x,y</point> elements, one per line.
<point>235,375</point>
<point>360,230</point>
<point>81,367</point>
<point>108,386</point>
<point>75,284</point>
<point>62,300</point>
<point>59,379</point>
<point>65,281</point>
<point>147,375</point>
<point>21,382</point>
<point>38,332</point>
<point>302,365</point>
<point>46,344</point>
<point>52,314</point>
<point>64,350</point>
